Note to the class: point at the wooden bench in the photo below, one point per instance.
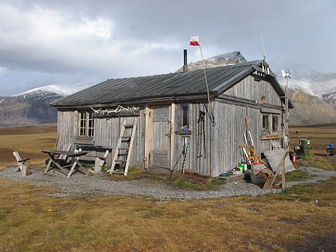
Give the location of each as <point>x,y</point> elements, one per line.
<point>99,160</point>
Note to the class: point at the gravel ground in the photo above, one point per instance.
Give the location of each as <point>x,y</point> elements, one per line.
<point>79,185</point>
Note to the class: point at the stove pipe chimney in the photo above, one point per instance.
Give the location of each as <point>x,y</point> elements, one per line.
<point>185,64</point>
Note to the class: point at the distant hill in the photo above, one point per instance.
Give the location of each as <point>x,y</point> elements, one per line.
<point>28,109</point>
<point>220,60</point>
<point>309,109</point>
<point>32,107</point>
<point>314,98</point>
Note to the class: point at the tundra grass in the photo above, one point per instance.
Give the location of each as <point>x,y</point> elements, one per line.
<point>302,218</point>
<point>28,141</point>
<point>30,220</point>
<point>320,137</point>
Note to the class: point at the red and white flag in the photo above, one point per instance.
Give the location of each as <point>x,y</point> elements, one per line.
<point>194,41</point>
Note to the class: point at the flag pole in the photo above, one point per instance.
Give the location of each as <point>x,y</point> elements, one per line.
<point>194,41</point>
<point>206,79</point>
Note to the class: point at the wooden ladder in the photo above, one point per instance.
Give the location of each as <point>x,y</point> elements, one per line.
<point>123,151</point>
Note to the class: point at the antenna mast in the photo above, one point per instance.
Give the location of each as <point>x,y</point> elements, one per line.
<point>263,45</point>
<point>287,75</point>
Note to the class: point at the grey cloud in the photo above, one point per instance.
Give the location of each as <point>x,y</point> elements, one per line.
<point>296,34</point>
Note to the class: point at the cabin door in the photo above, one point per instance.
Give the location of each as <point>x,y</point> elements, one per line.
<point>160,153</point>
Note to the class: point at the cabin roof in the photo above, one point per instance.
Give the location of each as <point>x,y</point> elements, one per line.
<point>162,86</point>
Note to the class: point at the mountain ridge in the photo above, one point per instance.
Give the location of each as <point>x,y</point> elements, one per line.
<point>312,93</point>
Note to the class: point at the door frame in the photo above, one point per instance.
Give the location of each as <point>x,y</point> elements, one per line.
<point>149,110</point>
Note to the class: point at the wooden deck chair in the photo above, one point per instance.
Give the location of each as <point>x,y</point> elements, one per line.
<point>64,157</point>
<point>21,164</point>
<point>100,161</point>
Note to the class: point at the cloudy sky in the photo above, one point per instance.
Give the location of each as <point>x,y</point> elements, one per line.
<point>81,41</point>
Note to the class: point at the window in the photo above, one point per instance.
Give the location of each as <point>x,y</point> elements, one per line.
<point>86,124</point>
<point>185,116</point>
<point>265,122</point>
<point>275,123</point>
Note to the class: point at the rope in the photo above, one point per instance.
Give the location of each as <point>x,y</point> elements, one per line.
<point>209,110</point>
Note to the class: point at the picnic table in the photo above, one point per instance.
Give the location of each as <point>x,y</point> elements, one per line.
<point>72,156</point>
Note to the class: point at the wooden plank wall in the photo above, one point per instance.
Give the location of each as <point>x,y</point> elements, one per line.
<point>229,134</point>
<point>194,163</point>
<point>107,132</point>
<point>253,90</point>
<point>67,122</point>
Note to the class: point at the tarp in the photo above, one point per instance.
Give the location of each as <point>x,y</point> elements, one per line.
<point>274,158</point>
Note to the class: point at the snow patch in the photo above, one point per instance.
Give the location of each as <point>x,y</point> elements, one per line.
<point>62,90</point>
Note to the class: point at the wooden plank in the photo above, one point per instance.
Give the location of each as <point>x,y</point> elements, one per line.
<point>270,137</point>
<point>148,135</point>
<point>172,134</point>
<point>232,178</point>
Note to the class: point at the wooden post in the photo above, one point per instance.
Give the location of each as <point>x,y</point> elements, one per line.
<point>283,171</point>
<point>148,135</point>
<point>172,135</point>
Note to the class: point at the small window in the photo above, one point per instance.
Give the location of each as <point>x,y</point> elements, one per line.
<point>185,115</point>
<point>265,122</point>
<point>86,124</point>
<point>275,123</point>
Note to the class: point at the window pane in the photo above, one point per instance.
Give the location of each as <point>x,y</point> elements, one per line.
<point>275,123</point>
<point>86,123</point>
<point>82,132</point>
<point>185,110</point>
<point>265,122</point>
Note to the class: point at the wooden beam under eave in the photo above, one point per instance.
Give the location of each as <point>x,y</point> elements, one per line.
<point>269,137</point>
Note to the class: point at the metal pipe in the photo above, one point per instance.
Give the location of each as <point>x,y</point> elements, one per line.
<point>185,62</point>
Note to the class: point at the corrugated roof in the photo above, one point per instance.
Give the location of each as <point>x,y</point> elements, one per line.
<point>156,86</point>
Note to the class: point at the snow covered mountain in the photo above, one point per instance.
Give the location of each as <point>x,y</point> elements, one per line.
<point>32,107</point>
<point>62,90</point>
<point>313,83</point>
<point>230,58</point>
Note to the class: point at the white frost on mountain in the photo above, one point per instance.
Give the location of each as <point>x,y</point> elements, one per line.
<point>313,83</point>
<point>62,90</point>
<point>230,58</point>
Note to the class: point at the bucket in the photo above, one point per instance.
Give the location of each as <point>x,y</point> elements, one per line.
<point>256,168</point>
<point>257,176</point>
<point>242,167</point>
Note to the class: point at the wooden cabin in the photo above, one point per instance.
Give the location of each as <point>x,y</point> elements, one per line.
<point>171,112</point>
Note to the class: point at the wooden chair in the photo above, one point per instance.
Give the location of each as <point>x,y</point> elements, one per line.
<point>21,164</point>
<point>100,161</point>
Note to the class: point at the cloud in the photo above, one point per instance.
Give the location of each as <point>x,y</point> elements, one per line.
<point>45,41</point>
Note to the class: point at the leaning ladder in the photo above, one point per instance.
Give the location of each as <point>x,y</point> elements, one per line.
<point>123,151</point>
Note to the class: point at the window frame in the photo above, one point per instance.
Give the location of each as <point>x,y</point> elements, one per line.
<point>277,128</point>
<point>184,115</point>
<point>266,129</point>
<point>85,124</point>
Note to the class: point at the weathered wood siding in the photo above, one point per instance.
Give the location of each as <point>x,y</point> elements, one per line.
<point>253,90</point>
<point>228,134</point>
<point>197,160</point>
<point>107,131</point>
<point>212,150</point>
<point>67,122</point>
<point>230,127</point>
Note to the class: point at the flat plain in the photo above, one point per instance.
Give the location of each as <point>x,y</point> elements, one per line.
<point>300,219</point>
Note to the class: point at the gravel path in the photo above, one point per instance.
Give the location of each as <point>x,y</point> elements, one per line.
<point>79,184</point>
